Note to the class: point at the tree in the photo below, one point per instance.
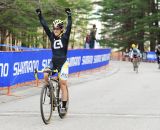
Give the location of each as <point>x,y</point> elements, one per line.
<point>18,19</point>
<point>130,21</point>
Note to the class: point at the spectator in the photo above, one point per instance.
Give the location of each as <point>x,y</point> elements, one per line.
<point>93,36</point>
<point>87,41</point>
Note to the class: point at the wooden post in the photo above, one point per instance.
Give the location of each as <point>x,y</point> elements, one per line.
<point>9,91</point>
<point>78,73</point>
<point>37,82</point>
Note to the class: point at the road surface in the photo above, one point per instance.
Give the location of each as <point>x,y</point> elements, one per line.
<point>121,100</point>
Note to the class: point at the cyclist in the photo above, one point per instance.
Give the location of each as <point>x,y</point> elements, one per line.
<point>158,53</point>
<point>135,55</point>
<point>135,52</point>
<point>59,45</point>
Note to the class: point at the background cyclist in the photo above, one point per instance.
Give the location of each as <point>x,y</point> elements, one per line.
<point>135,53</point>
<point>158,53</point>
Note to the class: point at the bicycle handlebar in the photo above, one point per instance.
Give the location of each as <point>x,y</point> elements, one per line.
<point>44,71</point>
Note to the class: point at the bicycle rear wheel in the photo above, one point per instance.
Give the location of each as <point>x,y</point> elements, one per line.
<point>46,103</point>
<point>135,66</point>
<point>59,102</point>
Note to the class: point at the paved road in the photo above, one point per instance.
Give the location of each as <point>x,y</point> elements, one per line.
<point>118,99</point>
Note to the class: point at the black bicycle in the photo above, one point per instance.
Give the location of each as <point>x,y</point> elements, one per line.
<point>51,97</point>
<point>135,64</point>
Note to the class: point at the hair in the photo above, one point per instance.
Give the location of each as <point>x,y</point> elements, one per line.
<point>94,25</point>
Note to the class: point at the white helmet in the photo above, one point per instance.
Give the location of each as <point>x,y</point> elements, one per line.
<point>58,24</point>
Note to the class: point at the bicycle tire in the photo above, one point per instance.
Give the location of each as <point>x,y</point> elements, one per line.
<point>43,96</point>
<point>59,102</point>
<point>135,66</point>
<point>137,69</point>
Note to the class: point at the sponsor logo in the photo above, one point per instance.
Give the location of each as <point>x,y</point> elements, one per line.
<point>4,68</point>
<point>25,67</point>
<point>57,44</point>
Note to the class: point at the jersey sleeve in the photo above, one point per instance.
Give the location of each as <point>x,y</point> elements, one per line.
<point>131,54</point>
<point>44,24</point>
<point>68,28</point>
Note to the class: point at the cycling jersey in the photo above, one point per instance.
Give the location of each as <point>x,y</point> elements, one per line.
<point>59,45</point>
<point>135,53</point>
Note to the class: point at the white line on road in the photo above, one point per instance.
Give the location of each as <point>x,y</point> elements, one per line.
<point>85,115</point>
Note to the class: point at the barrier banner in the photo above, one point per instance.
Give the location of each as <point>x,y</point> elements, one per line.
<point>151,56</point>
<point>18,67</point>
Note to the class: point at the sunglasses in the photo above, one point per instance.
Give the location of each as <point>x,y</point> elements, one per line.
<point>56,29</point>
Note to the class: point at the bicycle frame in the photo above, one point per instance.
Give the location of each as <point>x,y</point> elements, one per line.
<point>55,89</point>
<point>54,94</point>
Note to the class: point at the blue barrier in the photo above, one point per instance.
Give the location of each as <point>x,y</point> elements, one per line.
<point>151,56</point>
<point>18,67</point>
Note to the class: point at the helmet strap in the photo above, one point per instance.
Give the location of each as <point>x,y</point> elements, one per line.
<point>60,34</point>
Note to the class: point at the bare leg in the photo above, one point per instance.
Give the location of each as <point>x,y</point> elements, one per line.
<point>46,78</point>
<point>63,85</point>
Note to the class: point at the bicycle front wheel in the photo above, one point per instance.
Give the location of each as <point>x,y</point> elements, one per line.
<point>46,103</point>
<point>135,66</point>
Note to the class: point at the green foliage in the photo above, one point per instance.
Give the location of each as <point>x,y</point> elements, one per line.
<point>18,17</point>
<point>129,21</point>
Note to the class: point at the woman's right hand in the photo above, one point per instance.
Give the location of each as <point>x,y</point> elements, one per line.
<point>38,11</point>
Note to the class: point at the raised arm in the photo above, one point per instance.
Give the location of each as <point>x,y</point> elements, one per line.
<point>43,22</point>
<point>69,23</point>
